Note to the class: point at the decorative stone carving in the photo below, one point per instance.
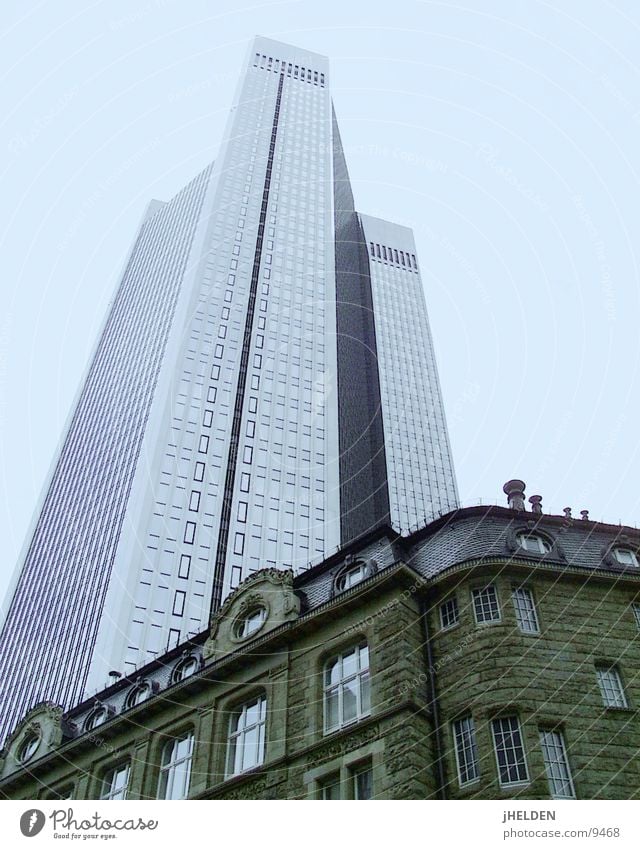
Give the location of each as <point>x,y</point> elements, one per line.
<point>271,589</point>
<point>45,721</point>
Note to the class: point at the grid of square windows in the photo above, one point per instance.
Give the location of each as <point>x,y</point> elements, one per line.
<point>485,604</point>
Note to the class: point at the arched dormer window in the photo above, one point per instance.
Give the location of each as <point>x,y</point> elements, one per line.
<point>354,572</point>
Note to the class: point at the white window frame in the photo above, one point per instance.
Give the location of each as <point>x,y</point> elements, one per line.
<point>524,607</point>
<point>556,764</point>
<point>514,728</point>
<point>170,765</point>
<point>185,667</point>
<point>476,594</point>
<point>361,677</point>
<point>633,557</point>
<point>467,753</point>
<point>351,576</point>
<point>533,543</point>
<point>611,687</point>
<point>250,623</point>
<point>112,787</point>
<point>451,604</point>
<point>241,730</point>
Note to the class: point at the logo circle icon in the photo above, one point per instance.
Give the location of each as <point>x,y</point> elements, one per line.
<point>32,822</point>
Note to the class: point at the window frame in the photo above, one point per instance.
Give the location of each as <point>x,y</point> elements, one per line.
<point>480,589</point>
<point>113,794</point>
<point>240,733</point>
<point>363,694</point>
<point>167,767</point>
<point>544,547</point>
<point>523,588</point>
<point>452,600</point>
<point>635,563</point>
<point>603,669</point>
<point>474,749</point>
<point>520,782</point>
<point>548,764</point>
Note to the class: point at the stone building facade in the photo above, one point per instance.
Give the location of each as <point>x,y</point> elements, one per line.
<point>492,654</point>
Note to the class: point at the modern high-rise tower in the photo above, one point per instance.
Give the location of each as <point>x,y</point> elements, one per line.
<point>263,390</point>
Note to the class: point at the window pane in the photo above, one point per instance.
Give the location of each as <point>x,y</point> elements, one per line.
<point>330,787</point>
<point>512,767</point>
<point>332,709</point>
<point>363,784</point>
<point>466,750</point>
<point>556,765</point>
<point>349,700</point>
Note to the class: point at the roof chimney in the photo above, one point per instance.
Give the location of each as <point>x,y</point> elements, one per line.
<point>584,515</point>
<point>567,512</point>
<point>536,504</point>
<point>514,491</point>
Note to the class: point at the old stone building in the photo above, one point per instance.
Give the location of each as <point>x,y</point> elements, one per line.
<point>492,654</point>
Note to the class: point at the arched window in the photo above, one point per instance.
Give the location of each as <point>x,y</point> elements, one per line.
<point>535,543</point>
<point>97,716</point>
<point>250,623</point>
<point>184,668</point>
<point>139,694</point>
<point>28,747</point>
<point>175,767</point>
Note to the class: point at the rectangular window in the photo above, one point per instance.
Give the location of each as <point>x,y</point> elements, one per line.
<point>194,501</point>
<point>464,738</point>
<point>525,610</point>
<point>507,741</point>
<point>556,764</point>
<point>247,455</point>
<point>215,372</point>
<point>238,544</point>
<point>611,687</point>
<point>175,768</point>
<point>185,566</point>
<point>485,604</point>
<point>347,696</point>
<point>203,445</point>
<point>362,778</point>
<point>449,615</point>
<point>198,472</point>
<point>219,351</point>
<point>115,782</point>
<point>636,614</point>
<point>212,394</point>
<point>329,787</point>
<point>251,428</point>
<point>242,511</point>
<point>246,742</point>
<point>190,532</point>
<point>178,603</point>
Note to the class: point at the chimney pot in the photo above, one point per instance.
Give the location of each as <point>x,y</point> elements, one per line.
<point>536,504</point>
<point>567,512</point>
<point>514,490</point>
<point>584,515</point>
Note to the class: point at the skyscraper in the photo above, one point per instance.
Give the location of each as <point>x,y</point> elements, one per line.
<point>263,390</point>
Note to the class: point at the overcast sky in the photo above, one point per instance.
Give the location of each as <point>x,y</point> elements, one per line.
<point>505,132</point>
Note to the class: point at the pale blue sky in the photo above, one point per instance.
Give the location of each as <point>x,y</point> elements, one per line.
<point>505,133</point>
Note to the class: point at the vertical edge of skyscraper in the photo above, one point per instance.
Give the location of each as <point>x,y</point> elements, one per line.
<point>263,390</point>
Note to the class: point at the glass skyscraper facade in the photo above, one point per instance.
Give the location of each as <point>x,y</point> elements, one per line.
<point>264,389</point>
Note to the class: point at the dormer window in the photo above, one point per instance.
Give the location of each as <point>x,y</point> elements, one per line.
<point>353,573</point>
<point>186,667</point>
<point>139,694</point>
<point>534,543</point>
<point>28,748</point>
<point>96,718</point>
<point>626,556</point>
<point>250,623</point>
